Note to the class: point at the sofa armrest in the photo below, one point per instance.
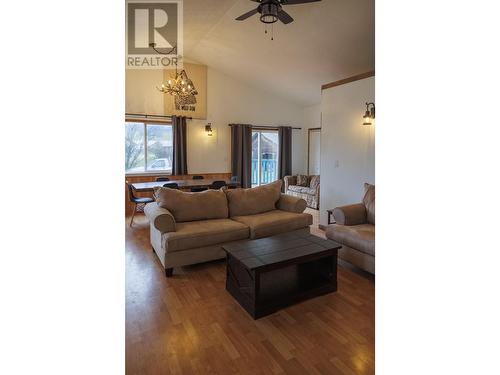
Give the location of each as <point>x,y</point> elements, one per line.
<point>160,217</point>
<point>291,204</point>
<point>289,180</point>
<point>353,214</point>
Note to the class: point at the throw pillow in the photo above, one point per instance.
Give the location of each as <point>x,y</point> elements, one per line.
<point>314,182</point>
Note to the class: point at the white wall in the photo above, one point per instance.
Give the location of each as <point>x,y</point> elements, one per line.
<point>347,147</point>
<point>312,119</point>
<point>314,166</point>
<point>229,101</point>
<point>312,116</point>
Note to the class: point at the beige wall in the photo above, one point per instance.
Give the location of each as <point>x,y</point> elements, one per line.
<point>141,95</point>
<point>229,101</point>
<point>347,147</point>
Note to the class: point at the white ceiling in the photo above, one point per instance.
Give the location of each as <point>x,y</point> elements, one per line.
<point>328,41</point>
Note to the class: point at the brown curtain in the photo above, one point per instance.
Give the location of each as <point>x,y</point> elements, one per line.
<point>241,153</point>
<point>179,164</point>
<point>285,151</point>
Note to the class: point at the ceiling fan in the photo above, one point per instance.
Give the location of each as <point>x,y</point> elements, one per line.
<point>272,10</point>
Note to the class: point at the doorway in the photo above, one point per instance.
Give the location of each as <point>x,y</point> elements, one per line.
<point>264,157</point>
<point>314,151</point>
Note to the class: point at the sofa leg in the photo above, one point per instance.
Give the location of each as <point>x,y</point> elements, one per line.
<point>169,272</point>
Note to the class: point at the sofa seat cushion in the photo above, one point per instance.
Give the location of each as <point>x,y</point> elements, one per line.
<point>360,237</point>
<point>202,233</point>
<point>274,222</point>
<point>302,189</point>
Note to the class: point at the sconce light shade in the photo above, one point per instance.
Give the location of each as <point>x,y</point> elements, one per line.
<point>369,114</point>
<point>208,129</point>
<point>367,119</point>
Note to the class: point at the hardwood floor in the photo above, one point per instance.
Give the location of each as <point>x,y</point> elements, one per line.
<point>189,324</point>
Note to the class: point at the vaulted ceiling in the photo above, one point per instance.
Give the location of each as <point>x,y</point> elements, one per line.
<point>328,41</point>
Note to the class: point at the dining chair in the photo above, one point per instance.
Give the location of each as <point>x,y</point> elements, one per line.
<point>139,202</point>
<point>198,189</point>
<point>171,185</point>
<point>235,180</point>
<point>159,179</point>
<point>218,184</point>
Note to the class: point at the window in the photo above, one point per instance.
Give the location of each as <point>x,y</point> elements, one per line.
<point>148,147</point>
<point>264,157</point>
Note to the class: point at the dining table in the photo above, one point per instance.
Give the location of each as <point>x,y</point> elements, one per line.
<point>183,184</point>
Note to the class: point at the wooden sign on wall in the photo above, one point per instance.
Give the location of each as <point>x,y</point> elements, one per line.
<point>196,107</point>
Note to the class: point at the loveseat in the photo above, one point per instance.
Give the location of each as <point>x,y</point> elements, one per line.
<point>355,230</point>
<point>305,187</point>
<point>189,228</point>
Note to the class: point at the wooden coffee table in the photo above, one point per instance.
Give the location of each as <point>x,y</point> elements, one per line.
<point>270,273</point>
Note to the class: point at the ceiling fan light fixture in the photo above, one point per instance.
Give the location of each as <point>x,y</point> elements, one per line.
<point>269,12</point>
<point>272,11</point>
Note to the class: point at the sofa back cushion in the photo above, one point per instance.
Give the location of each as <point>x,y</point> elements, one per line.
<point>302,180</point>
<point>253,201</point>
<point>184,206</point>
<point>314,182</point>
<point>369,202</point>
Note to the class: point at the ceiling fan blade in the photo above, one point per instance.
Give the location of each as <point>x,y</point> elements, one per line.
<point>284,17</point>
<point>292,2</point>
<point>247,14</point>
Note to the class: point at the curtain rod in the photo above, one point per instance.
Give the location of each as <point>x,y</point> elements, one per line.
<point>267,126</point>
<point>145,115</point>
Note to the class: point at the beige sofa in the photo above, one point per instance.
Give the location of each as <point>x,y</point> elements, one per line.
<point>355,230</point>
<point>190,228</point>
<point>305,187</point>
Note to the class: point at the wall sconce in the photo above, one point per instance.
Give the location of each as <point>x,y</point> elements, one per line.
<point>208,129</point>
<point>369,114</point>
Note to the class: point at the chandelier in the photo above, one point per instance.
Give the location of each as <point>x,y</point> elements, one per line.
<point>180,85</point>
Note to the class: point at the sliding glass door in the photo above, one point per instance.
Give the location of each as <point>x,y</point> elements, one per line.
<point>264,157</point>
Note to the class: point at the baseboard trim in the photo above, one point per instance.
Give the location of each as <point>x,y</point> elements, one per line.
<point>322,227</point>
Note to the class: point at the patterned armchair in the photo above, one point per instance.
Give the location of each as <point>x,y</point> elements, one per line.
<point>305,187</point>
